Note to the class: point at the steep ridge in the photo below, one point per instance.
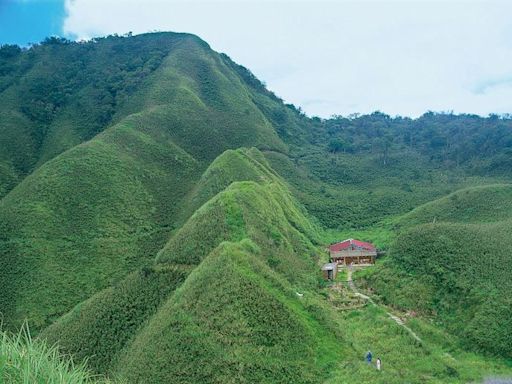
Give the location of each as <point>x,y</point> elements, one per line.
<point>103,208</point>
<point>85,219</point>
<point>96,330</point>
<point>234,319</point>
<point>59,94</point>
<point>145,234</point>
<point>262,213</point>
<point>241,298</point>
<point>233,165</point>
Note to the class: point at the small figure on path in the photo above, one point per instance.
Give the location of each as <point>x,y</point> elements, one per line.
<point>369,357</point>
<point>379,362</point>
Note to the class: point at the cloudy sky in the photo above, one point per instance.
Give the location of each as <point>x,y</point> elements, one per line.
<point>332,57</point>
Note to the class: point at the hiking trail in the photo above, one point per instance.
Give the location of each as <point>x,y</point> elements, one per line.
<point>395,318</point>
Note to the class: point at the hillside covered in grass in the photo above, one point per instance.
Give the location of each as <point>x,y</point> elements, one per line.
<point>163,218</point>
<point>222,290</point>
<point>234,295</point>
<point>99,210</point>
<point>484,204</point>
<point>451,262</point>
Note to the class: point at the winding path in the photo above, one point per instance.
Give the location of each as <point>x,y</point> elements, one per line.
<point>370,300</point>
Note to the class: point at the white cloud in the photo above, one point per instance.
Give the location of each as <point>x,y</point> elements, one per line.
<point>340,57</point>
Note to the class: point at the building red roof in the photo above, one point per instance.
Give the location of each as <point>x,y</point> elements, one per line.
<point>346,244</point>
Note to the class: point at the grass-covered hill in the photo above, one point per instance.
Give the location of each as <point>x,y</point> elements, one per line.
<point>162,216</point>
<point>222,291</point>
<point>233,297</point>
<point>473,205</point>
<point>59,94</point>
<point>99,210</point>
<point>451,261</point>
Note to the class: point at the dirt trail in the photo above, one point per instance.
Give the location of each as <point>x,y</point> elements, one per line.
<point>396,319</point>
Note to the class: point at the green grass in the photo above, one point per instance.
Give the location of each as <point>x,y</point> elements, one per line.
<point>457,274</point>
<point>232,165</point>
<point>24,360</point>
<point>239,303</point>
<point>265,213</point>
<point>342,275</point>
<point>481,204</point>
<point>437,359</point>
<point>270,259</point>
<point>466,275</point>
<point>162,225</point>
<point>58,95</point>
<point>96,330</point>
<point>87,217</point>
<point>354,192</point>
<point>238,315</point>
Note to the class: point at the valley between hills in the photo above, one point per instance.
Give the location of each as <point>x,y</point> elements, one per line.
<point>164,218</point>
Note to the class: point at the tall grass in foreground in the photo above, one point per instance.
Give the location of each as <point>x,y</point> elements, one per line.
<point>24,360</point>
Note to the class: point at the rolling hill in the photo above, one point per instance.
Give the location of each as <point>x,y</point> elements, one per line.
<point>483,204</point>
<point>163,218</point>
<point>451,262</point>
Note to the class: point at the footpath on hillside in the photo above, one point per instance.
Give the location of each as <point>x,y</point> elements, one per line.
<point>370,300</point>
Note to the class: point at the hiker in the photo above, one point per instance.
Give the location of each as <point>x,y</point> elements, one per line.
<point>369,357</point>
<point>379,362</point>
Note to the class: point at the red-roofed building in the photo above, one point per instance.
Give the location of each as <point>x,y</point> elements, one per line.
<point>353,251</point>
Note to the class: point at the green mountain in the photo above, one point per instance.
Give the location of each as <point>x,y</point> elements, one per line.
<point>106,206</point>
<point>163,219</point>
<point>251,245</point>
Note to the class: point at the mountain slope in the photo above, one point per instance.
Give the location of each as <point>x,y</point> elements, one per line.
<point>59,94</point>
<point>246,282</point>
<point>466,267</point>
<point>151,222</point>
<point>237,315</point>
<point>487,203</point>
<point>221,303</point>
<point>455,272</point>
<point>104,208</point>
<point>96,330</point>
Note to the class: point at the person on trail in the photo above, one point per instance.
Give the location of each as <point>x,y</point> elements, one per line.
<point>369,357</point>
<point>379,362</point>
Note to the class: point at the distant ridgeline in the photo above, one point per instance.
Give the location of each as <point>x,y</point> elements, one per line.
<point>155,196</point>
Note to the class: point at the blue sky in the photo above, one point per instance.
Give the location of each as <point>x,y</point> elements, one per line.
<point>30,21</point>
<point>329,57</point>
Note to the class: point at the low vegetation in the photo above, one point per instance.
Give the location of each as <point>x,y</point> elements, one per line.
<point>96,330</point>
<point>163,217</point>
<point>268,257</point>
<point>457,274</point>
<point>238,315</point>
<point>475,205</point>
<point>24,360</point>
